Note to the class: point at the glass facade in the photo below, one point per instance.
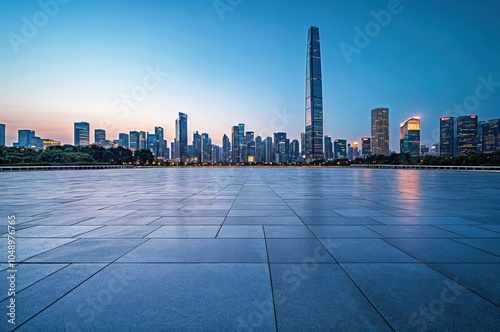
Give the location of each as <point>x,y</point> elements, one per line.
<point>366,146</point>
<point>340,149</point>
<point>380,131</point>
<point>328,148</point>
<point>409,140</point>
<point>466,134</point>
<point>82,133</point>
<point>181,136</point>
<point>314,98</point>
<point>2,134</point>
<point>447,136</point>
<point>123,140</point>
<point>490,135</point>
<point>235,144</point>
<point>134,140</point>
<point>99,135</point>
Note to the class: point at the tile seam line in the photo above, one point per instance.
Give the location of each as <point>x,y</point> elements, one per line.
<point>78,285</point>
<point>429,264</point>
<point>340,266</point>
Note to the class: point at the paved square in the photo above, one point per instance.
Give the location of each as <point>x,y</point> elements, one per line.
<point>252,249</point>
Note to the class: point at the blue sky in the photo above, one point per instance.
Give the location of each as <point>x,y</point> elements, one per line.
<point>245,63</point>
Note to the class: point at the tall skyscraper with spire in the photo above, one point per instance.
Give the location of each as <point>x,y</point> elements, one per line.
<point>314,98</point>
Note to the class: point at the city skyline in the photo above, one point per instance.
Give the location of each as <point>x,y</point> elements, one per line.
<point>65,74</point>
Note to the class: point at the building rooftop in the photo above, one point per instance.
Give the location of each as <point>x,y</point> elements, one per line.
<point>252,249</point>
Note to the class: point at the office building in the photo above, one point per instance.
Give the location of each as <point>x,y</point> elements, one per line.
<point>409,140</point>
<point>206,148</point>
<point>235,144</point>
<point>466,134</point>
<point>123,140</point>
<point>490,135</point>
<point>281,147</point>
<point>46,142</point>
<point>355,148</point>
<point>134,140</point>
<point>269,150</point>
<point>380,131</point>
<point>2,134</point>
<point>196,147</point>
<point>143,140</point>
<point>82,133</point>
<point>99,136</point>
<point>328,148</point>
<point>447,136</point>
<point>241,140</point>
<point>25,138</point>
<point>159,137</point>
<point>226,149</point>
<point>314,98</point>
<point>303,144</point>
<point>340,149</point>
<point>366,147</point>
<point>216,154</point>
<point>294,151</point>
<point>181,136</point>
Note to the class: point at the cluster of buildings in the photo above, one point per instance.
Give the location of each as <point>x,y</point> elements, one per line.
<point>458,135</point>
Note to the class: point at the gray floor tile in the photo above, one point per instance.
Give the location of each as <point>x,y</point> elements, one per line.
<point>241,231</point>
<point>297,251</point>
<point>180,232</point>
<point>414,297</point>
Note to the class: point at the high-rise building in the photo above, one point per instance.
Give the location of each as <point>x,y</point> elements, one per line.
<point>216,154</point>
<point>340,149</point>
<point>269,149</point>
<point>294,151</point>
<point>380,131</point>
<point>241,140</point>
<point>303,144</point>
<point>350,152</point>
<point>226,148</point>
<point>82,133</point>
<point>259,149</point>
<point>235,144</point>
<point>281,147</point>
<point>447,136</point>
<point>99,136</point>
<point>196,146</point>
<point>314,98</point>
<point>409,140</point>
<point>143,140</point>
<point>134,140</point>
<point>160,151</point>
<point>206,148</point>
<point>366,147</point>
<point>355,148</point>
<point>151,143</point>
<point>181,134</point>
<point>250,146</point>
<point>172,150</point>
<point>466,134</point>
<point>328,148</point>
<point>123,140</point>
<point>2,134</point>
<point>490,135</point>
<point>25,138</point>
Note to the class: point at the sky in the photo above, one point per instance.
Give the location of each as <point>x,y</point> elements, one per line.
<point>133,65</point>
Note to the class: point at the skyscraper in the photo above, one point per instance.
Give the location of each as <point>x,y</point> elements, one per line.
<point>355,150</point>
<point>294,151</point>
<point>328,148</point>
<point>314,98</point>
<point>409,140</point>
<point>123,140</point>
<point>380,131</point>
<point>490,140</point>
<point>447,134</point>
<point>197,146</point>
<point>281,147</point>
<point>226,148</point>
<point>241,139</point>
<point>134,140</point>
<point>268,148</point>
<point>181,135</point>
<point>2,134</point>
<point>302,144</point>
<point>99,136</point>
<point>340,149</point>
<point>366,146</point>
<point>235,145</point>
<point>466,134</point>
<point>143,140</point>
<point>206,148</point>
<point>82,133</point>
<point>159,149</point>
